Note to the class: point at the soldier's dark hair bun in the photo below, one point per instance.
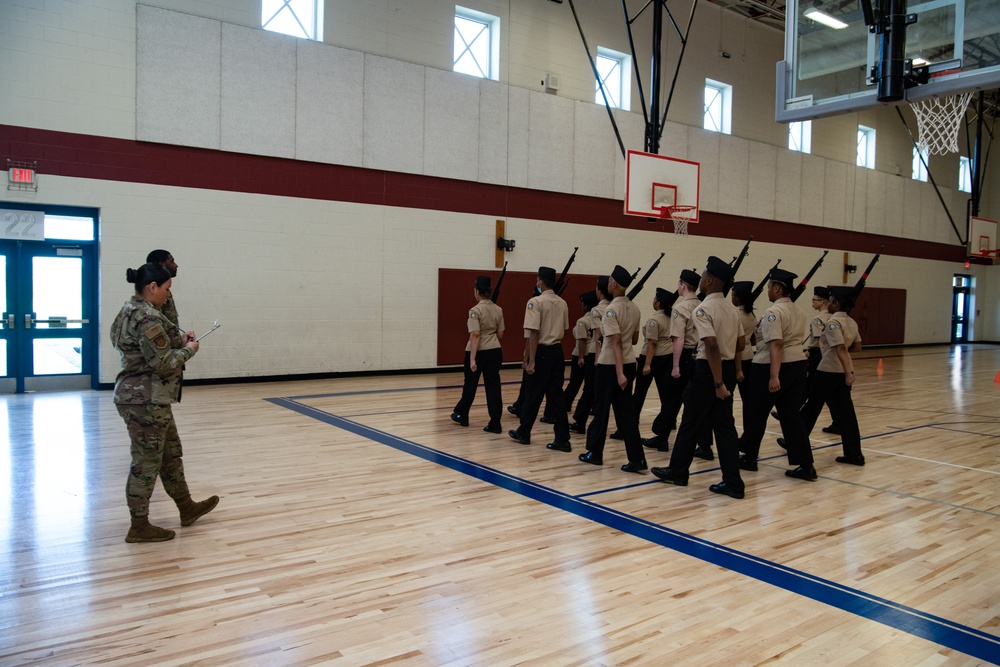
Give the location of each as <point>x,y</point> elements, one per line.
<point>150,272</point>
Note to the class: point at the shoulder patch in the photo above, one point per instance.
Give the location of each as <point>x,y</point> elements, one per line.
<point>700,313</point>
<point>531,306</point>
<point>609,313</point>
<point>473,315</point>
<point>772,317</point>
<point>831,325</point>
<point>651,323</point>
<point>155,332</point>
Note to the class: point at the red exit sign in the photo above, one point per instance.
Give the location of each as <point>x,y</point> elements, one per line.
<point>21,176</point>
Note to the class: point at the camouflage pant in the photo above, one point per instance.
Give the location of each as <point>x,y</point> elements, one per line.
<point>156,450</point>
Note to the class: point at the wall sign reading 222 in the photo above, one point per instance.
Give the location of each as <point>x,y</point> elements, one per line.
<point>22,225</point>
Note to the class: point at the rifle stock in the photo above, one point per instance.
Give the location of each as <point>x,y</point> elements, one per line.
<point>737,261</point>
<point>496,288</point>
<point>759,289</point>
<point>634,292</point>
<point>797,292</point>
<point>563,279</point>
<point>864,276</point>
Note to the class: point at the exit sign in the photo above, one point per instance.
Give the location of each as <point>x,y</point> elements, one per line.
<point>21,176</point>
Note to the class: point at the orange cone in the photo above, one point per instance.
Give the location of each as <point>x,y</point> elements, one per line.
<point>881,368</point>
<point>996,378</point>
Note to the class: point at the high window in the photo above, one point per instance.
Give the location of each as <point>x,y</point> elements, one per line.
<point>800,136</point>
<point>299,18</point>
<point>718,112</point>
<point>920,165</point>
<point>616,77</point>
<point>964,174</point>
<point>477,44</point>
<point>866,147</point>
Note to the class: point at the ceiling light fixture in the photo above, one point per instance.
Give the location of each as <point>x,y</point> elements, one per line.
<point>825,19</point>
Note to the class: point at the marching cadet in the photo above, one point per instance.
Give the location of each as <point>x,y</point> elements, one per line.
<point>742,298</point>
<point>708,397</point>
<point>614,377</point>
<point>776,377</point>
<point>579,424</point>
<point>483,357</point>
<point>835,376</point>
<point>820,303</point>
<point>546,318</point>
<point>148,383</point>
<point>583,364</point>
<point>654,365</point>
<point>684,339</point>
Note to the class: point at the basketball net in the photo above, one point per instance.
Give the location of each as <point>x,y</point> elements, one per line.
<point>674,213</point>
<point>938,122</point>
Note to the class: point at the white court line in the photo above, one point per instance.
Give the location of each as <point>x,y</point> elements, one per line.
<point>942,463</point>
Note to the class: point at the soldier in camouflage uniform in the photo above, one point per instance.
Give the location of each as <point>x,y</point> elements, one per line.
<point>153,354</point>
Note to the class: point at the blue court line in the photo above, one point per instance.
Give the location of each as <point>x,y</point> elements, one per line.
<point>961,638</point>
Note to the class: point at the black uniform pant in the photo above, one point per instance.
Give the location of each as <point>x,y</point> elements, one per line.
<point>488,364</point>
<point>812,363</point>
<point>758,402</point>
<point>659,372</point>
<point>574,384</point>
<point>675,400</point>
<point>829,388</point>
<point>586,403</point>
<point>608,395</point>
<point>701,406</point>
<point>547,383</point>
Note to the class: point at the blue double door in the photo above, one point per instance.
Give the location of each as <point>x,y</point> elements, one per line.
<point>48,298</point>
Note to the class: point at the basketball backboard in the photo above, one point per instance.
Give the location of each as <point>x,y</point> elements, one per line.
<point>982,237</point>
<point>655,183</point>
<point>828,62</point>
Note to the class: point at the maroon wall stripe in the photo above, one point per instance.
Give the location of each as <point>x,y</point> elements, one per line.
<point>106,158</point>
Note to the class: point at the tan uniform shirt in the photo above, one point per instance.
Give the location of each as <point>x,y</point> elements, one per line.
<point>584,330</point>
<point>547,314</point>
<point>681,324</point>
<point>596,316</point>
<point>785,322</point>
<point>816,327</point>
<point>487,318</point>
<point>621,317</point>
<point>749,321</point>
<point>840,330</point>
<point>656,332</point>
<point>718,317</point>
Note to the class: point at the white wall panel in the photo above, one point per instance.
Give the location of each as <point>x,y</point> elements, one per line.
<point>734,175</point>
<point>788,186</point>
<point>835,203</point>
<point>394,115</point>
<point>595,152</point>
<point>859,201</point>
<point>329,104</point>
<point>493,129</point>
<point>550,143</point>
<point>451,125</point>
<point>876,211</point>
<point>178,79</point>
<point>813,190</point>
<point>518,140</point>
<point>894,197</point>
<point>763,180</point>
<point>258,92</point>
<point>912,206</point>
<point>703,147</point>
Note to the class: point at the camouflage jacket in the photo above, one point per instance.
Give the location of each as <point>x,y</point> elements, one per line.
<point>152,355</point>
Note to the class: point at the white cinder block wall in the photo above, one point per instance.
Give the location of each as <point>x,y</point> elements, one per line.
<point>308,286</point>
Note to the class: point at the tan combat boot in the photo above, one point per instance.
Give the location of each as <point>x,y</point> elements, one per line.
<point>143,531</point>
<point>192,511</point>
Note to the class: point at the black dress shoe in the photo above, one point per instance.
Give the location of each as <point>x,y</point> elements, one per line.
<point>746,463</point>
<point>459,419</point>
<point>617,435</point>
<point>807,473</point>
<point>774,413</point>
<point>638,466</point>
<point>726,490</point>
<point>832,428</point>
<point>704,453</point>
<point>656,443</point>
<point>493,428</point>
<point>591,457</point>
<point>781,443</point>
<point>547,420</point>
<point>516,436</point>
<point>577,428</point>
<point>560,446</point>
<point>852,460</point>
<point>671,476</point>
<point>513,409</point>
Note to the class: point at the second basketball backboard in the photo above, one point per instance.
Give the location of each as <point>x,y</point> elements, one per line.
<point>830,53</point>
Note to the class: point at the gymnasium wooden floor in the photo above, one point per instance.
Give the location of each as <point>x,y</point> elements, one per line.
<point>359,526</point>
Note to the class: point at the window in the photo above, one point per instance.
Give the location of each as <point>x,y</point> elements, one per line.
<point>477,44</point>
<point>298,18</point>
<point>616,76</point>
<point>866,147</point>
<point>800,136</point>
<point>964,174</point>
<point>718,106</point>
<point>920,157</point>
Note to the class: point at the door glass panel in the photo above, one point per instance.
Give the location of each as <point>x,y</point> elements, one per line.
<point>57,356</point>
<point>3,284</point>
<point>68,228</point>
<point>3,357</point>
<point>56,291</point>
